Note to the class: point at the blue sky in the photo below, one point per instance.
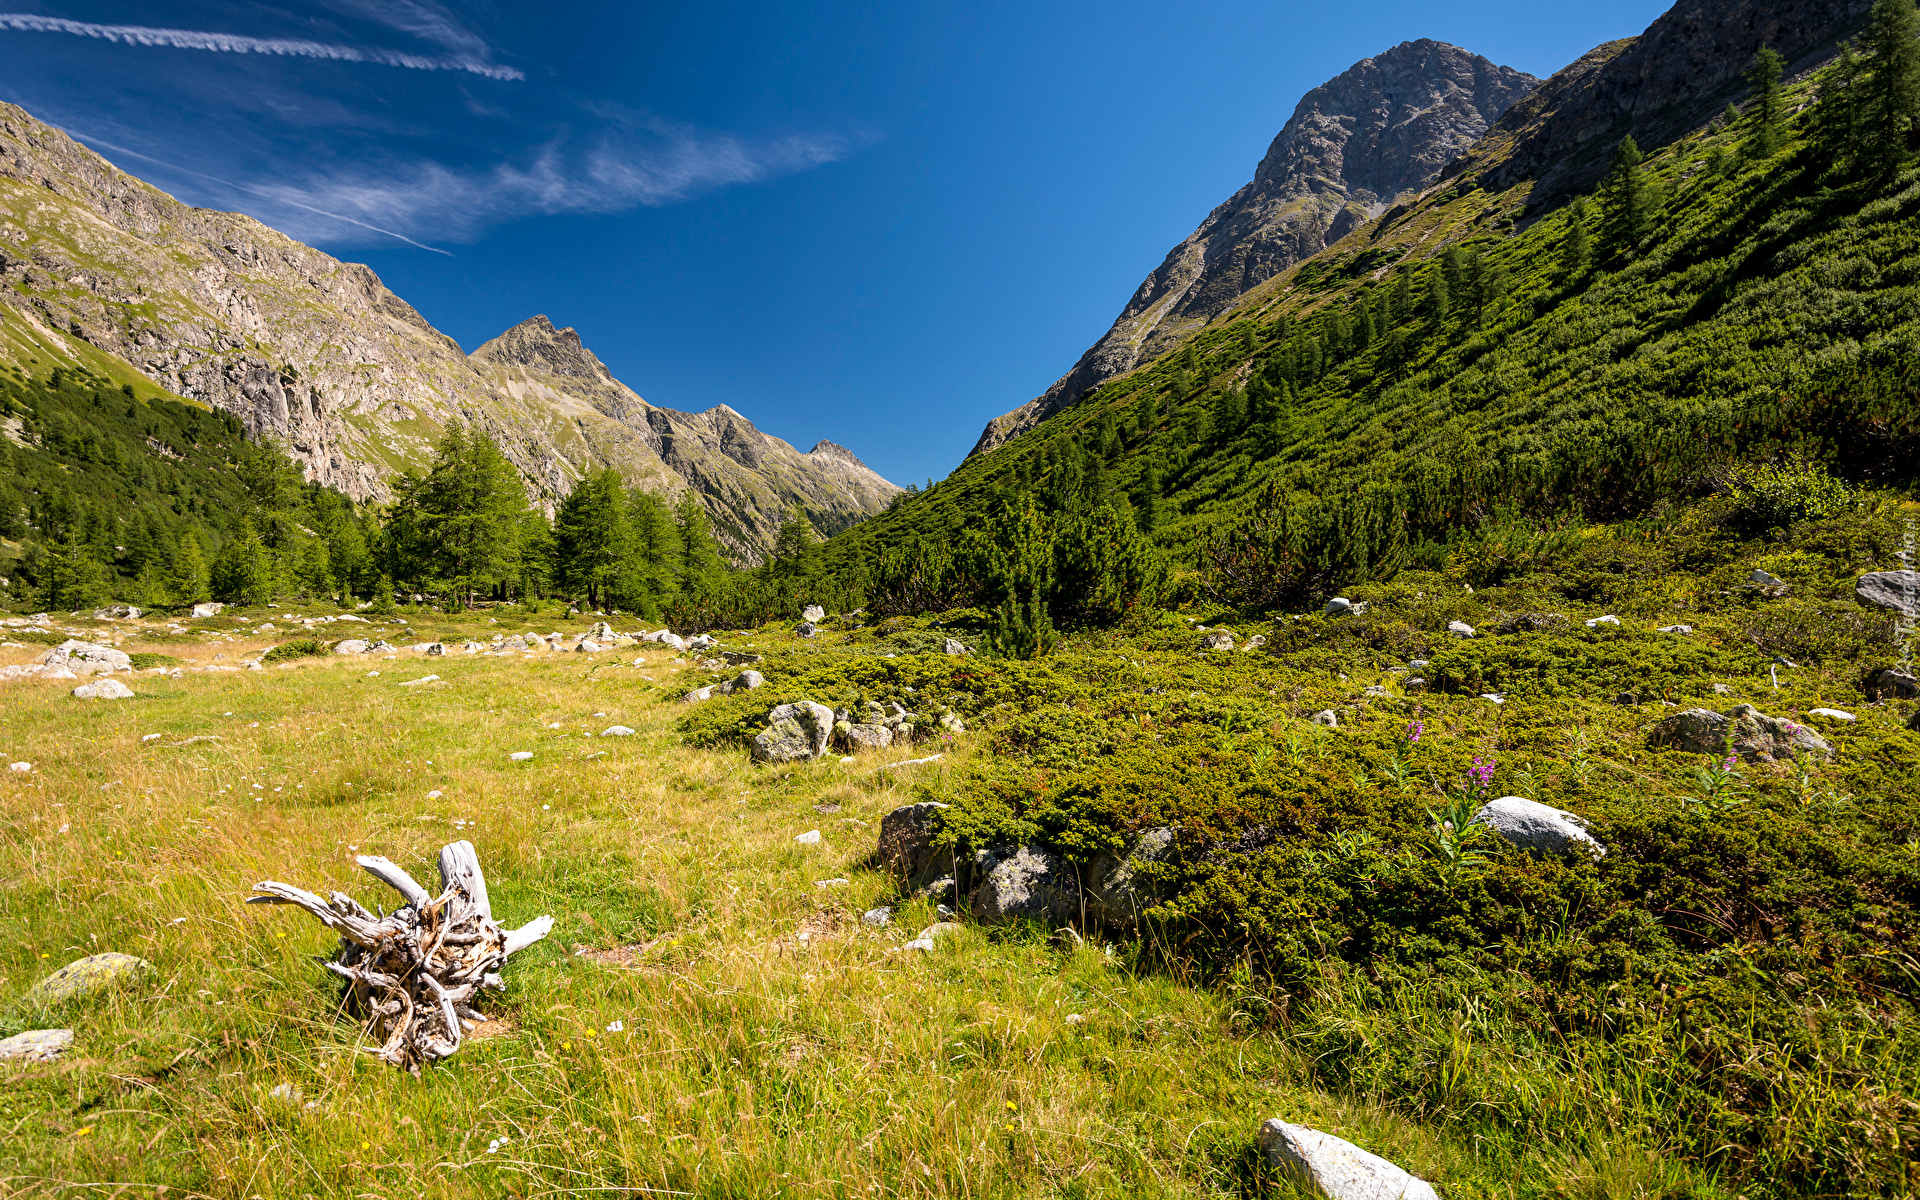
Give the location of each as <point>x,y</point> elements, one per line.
<point>880,224</point>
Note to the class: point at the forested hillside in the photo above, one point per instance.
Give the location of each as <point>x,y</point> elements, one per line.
<point>1452,371</point>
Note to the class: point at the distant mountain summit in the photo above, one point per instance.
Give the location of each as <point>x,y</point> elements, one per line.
<point>103,270</point>
<point>1374,135</point>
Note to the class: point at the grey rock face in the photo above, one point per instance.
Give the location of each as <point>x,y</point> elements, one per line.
<point>1537,828</point>
<point>36,1045</point>
<point>953,646</point>
<point>1897,590</point>
<point>1671,79</point>
<point>84,658</point>
<point>103,689</point>
<point>1028,883</point>
<point>745,681</point>
<point>1367,139</point>
<point>906,838</point>
<point>85,977</point>
<point>1118,887</point>
<point>794,732</point>
<point>356,646</point>
<point>1336,1168</point>
<point>1743,730</point>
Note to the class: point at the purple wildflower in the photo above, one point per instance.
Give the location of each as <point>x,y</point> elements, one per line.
<point>1415,729</point>
<point>1481,772</point>
<point>1732,761</point>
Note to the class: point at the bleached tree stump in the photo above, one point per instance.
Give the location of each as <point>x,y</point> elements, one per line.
<point>415,972</point>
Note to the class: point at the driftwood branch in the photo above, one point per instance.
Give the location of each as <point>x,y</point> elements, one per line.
<point>415,971</point>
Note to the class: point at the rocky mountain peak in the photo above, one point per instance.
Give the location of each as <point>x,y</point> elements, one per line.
<point>534,342</point>
<point>829,450</point>
<point>1378,132</point>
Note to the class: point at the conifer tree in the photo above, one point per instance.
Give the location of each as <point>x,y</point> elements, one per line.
<point>701,565</point>
<point>1626,202</point>
<point>68,577</point>
<point>1575,247</point>
<point>590,537</point>
<point>1767,113</point>
<point>1439,299</point>
<point>1146,498</point>
<point>1233,411</point>
<point>1835,123</point>
<point>1401,303</point>
<point>243,571</point>
<point>185,579</point>
<point>1890,90</point>
<point>656,552</point>
<point>467,505</point>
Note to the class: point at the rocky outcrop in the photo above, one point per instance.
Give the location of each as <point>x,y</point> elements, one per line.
<point>1896,590</point>
<point>1370,137</point>
<point>1024,883</point>
<point>1742,730</point>
<point>794,733</point>
<point>1673,78</point>
<point>216,307</point>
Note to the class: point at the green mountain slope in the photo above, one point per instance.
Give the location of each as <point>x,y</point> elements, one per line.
<point>1769,308</point>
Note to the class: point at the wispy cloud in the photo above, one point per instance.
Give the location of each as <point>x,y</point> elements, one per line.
<point>423,20</point>
<point>647,164</point>
<point>431,201</point>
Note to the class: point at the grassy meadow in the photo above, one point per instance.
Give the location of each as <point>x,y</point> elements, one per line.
<point>772,1043</point>
<point>1720,1007</point>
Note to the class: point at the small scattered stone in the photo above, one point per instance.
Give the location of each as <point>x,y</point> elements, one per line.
<point>1461,629</point>
<point>520,756</point>
<point>879,918</point>
<point>813,614</point>
<point>810,838</point>
<point>1766,580</point>
<point>1833,713</point>
<point>1220,639</point>
<point>617,731</point>
<point>1597,622</point>
<point>1676,629</point>
<point>1327,717</point>
<point>953,647</point>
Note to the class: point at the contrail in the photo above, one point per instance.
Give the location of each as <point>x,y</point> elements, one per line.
<point>232,43</point>
<point>258,191</point>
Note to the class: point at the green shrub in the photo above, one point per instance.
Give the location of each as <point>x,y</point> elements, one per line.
<point>298,648</point>
<point>146,659</point>
<point>1780,495</point>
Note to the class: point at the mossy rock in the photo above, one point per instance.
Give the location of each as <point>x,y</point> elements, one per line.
<point>85,977</point>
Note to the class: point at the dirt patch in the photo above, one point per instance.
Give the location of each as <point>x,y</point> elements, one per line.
<point>498,1027</point>
<point>628,956</point>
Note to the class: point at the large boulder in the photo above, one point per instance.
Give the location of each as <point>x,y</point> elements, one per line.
<point>794,733</point>
<point>103,689</point>
<point>117,612</point>
<point>1892,684</point>
<point>1336,1168</point>
<point>953,647</point>
<point>210,609</point>
<point>1539,829</point>
<point>1026,883</point>
<point>36,1045</point>
<point>813,614</point>
<point>745,681</point>
<point>1743,730</point>
<point>85,977</point>
<point>1119,887</point>
<point>359,646</point>
<point>1897,590</point>
<point>1219,639</point>
<point>906,839</point>
<point>85,657</point>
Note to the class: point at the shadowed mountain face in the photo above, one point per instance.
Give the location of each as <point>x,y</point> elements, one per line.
<point>1377,133</point>
<point>318,353</point>
<point>1673,78</point>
